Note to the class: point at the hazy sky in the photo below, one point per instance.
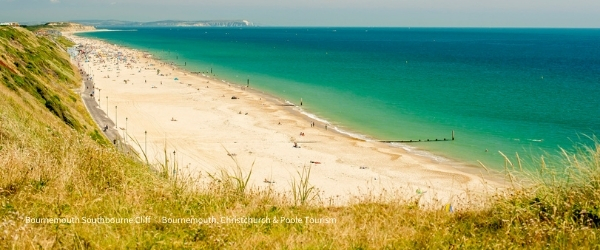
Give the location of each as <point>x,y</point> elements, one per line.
<point>412,13</point>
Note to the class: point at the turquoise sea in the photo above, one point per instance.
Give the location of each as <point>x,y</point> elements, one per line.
<point>512,90</point>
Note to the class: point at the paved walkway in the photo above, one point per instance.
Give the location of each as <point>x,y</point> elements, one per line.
<point>112,133</point>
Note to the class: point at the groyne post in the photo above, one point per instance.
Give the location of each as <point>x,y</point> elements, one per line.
<point>427,140</point>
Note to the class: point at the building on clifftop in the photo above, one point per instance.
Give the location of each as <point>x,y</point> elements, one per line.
<point>14,24</point>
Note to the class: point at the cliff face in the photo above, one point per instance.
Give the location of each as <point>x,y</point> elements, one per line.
<point>52,163</point>
<point>68,27</point>
<point>72,27</point>
<point>37,70</point>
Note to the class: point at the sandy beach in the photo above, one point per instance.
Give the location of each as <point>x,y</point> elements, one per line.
<point>195,120</point>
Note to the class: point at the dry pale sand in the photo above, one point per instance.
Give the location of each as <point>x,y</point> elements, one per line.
<point>196,117</point>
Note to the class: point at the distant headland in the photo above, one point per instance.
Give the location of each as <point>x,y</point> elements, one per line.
<point>166,23</point>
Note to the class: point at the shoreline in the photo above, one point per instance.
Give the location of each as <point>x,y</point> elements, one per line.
<point>441,157</point>
<point>397,172</point>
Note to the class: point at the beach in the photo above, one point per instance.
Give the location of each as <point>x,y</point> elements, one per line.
<point>203,125</point>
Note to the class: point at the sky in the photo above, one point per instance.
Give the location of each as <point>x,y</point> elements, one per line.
<point>385,13</point>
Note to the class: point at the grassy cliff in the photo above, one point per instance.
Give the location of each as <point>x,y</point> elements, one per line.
<point>54,164</point>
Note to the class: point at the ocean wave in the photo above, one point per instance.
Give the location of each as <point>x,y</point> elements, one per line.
<point>536,140</point>
<point>353,135</point>
<point>335,128</point>
<point>312,116</point>
<point>419,152</point>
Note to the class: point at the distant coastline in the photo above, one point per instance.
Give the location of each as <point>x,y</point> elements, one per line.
<point>166,23</point>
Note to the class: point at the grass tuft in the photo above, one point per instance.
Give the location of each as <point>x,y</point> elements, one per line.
<point>303,192</point>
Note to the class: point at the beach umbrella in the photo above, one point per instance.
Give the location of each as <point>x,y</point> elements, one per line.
<point>176,79</point>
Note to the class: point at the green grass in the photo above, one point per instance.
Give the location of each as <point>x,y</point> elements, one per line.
<point>35,28</point>
<point>51,168</point>
<point>302,191</point>
<point>32,67</point>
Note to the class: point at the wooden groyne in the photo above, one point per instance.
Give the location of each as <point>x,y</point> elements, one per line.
<point>426,140</point>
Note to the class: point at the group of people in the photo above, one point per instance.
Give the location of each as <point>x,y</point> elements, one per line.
<point>312,124</point>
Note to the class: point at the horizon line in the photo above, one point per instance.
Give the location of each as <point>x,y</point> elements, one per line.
<point>309,26</point>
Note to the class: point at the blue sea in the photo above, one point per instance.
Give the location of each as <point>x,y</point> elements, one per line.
<point>525,91</point>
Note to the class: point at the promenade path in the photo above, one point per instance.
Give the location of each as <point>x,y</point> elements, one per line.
<point>113,134</point>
